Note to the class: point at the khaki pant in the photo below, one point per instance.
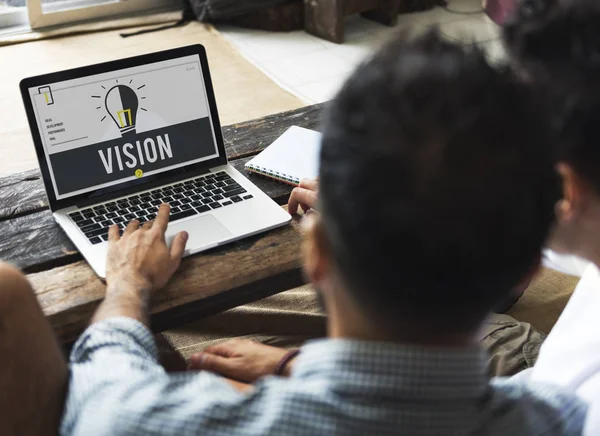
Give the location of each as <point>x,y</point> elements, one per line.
<point>512,345</point>
<point>290,318</point>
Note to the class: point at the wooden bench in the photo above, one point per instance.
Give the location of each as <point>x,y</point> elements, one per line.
<point>325,18</point>
<point>206,284</point>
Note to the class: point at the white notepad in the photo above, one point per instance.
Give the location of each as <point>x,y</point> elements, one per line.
<point>292,157</point>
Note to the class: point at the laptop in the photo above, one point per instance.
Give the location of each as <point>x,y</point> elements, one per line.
<point>115,140</point>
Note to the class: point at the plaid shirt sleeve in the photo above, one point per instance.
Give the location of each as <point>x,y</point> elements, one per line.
<point>118,387</point>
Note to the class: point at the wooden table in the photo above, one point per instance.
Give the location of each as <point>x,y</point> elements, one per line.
<point>206,284</point>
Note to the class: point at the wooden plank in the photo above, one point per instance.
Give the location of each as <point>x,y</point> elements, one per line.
<point>325,19</point>
<point>34,242</point>
<point>204,285</point>
<point>24,192</point>
<point>21,193</point>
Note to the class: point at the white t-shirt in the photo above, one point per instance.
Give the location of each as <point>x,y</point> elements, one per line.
<point>565,263</point>
<point>570,356</point>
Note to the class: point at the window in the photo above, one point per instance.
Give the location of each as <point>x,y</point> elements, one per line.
<point>12,13</point>
<point>47,13</point>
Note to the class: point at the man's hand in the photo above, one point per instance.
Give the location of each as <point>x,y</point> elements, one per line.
<point>241,359</point>
<point>139,263</point>
<point>141,256</point>
<point>305,196</point>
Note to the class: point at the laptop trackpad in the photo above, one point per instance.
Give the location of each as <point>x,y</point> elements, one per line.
<point>204,230</point>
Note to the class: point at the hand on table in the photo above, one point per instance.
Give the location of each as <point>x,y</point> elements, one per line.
<point>139,263</point>
<point>305,196</point>
<point>241,359</point>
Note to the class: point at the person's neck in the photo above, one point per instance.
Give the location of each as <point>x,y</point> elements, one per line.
<point>346,320</point>
<point>414,335</point>
<point>593,255</point>
<point>588,246</point>
<point>589,234</point>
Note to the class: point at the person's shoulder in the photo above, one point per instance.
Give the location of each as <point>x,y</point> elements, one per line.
<point>523,388</point>
<point>591,276</point>
<point>539,405</point>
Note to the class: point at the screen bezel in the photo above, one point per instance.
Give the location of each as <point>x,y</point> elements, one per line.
<point>127,187</point>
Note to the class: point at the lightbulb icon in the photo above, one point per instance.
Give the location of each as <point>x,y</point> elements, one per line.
<point>122,103</point>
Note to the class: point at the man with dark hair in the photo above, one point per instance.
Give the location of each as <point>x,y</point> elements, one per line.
<point>557,48</point>
<point>555,44</point>
<point>421,211</point>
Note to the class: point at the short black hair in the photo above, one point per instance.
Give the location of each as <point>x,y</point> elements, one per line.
<point>436,183</point>
<point>553,40</point>
<point>579,137</point>
<point>557,45</point>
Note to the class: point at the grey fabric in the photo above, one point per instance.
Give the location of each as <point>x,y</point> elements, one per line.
<point>216,10</point>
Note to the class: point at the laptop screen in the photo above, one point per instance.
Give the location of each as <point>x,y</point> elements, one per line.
<point>103,130</point>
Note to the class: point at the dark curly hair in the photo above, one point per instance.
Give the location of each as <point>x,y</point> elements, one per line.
<point>437,185</point>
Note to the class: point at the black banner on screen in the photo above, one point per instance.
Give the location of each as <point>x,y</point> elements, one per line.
<point>132,155</point>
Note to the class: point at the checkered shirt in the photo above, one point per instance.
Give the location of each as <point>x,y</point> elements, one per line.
<point>338,387</point>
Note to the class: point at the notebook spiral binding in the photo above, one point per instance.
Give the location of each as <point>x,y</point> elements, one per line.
<point>285,178</point>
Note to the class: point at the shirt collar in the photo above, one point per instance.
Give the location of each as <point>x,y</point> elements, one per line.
<point>397,370</point>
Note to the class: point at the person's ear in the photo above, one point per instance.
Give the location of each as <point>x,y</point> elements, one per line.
<point>316,253</point>
<point>575,191</point>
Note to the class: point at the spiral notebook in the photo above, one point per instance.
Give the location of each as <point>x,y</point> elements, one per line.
<point>291,158</point>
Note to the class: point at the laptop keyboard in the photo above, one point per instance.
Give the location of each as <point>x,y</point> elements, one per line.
<point>187,199</point>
